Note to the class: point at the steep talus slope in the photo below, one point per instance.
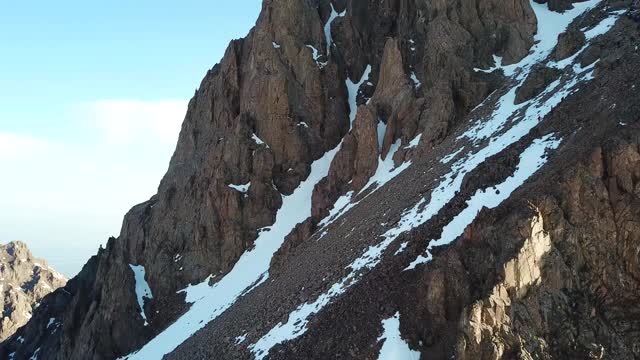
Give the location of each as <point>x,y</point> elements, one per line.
<point>24,282</point>
<point>327,166</point>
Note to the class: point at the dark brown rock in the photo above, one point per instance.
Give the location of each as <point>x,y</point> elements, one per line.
<point>538,80</point>
<point>569,42</point>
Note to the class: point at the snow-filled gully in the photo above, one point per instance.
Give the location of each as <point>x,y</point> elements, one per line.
<point>142,289</point>
<point>208,302</point>
<point>393,347</point>
<point>508,124</point>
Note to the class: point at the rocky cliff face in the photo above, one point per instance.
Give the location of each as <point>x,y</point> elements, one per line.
<point>24,282</point>
<point>450,179</point>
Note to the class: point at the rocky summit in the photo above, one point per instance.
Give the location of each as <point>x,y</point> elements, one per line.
<point>24,282</point>
<point>393,179</point>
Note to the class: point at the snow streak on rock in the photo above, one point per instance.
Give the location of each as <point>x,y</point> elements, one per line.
<point>600,29</point>
<point>413,143</point>
<point>315,54</point>
<point>382,130</point>
<point>550,25</point>
<point>243,188</point>
<point>416,83</point>
<point>394,348</point>
<point>257,140</point>
<point>498,65</point>
<point>385,172</point>
<point>296,324</point>
<point>531,160</point>
<point>352,89</point>
<point>327,27</point>
<point>208,302</point>
<point>35,354</point>
<point>448,158</point>
<point>142,288</point>
<point>530,112</point>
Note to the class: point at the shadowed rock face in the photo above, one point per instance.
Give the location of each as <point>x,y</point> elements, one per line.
<point>24,282</point>
<point>550,272</point>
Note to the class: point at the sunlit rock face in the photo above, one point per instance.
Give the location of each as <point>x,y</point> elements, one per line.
<point>24,281</point>
<point>440,179</point>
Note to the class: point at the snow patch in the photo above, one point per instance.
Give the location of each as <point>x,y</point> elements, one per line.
<point>240,339</point>
<point>413,143</point>
<point>451,156</point>
<point>243,188</point>
<point>385,172</point>
<point>51,322</point>
<point>352,89</point>
<point>142,289</point>
<point>602,28</point>
<point>316,57</point>
<point>498,65</point>
<point>327,26</point>
<point>402,248</point>
<point>416,83</point>
<point>382,130</point>
<point>394,348</point>
<point>341,206</point>
<point>386,169</point>
<point>257,140</point>
<point>34,356</point>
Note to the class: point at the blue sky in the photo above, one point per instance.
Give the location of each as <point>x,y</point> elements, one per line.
<point>92,95</point>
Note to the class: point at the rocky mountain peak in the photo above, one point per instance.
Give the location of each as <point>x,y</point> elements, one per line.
<point>24,282</point>
<point>450,179</point>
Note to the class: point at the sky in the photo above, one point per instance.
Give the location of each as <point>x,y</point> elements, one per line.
<point>92,96</point>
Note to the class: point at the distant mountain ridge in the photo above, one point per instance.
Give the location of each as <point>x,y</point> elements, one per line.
<point>24,281</point>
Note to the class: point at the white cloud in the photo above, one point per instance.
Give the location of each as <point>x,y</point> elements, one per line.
<point>65,197</point>
<point>124,121</point>
<point>16,146</point>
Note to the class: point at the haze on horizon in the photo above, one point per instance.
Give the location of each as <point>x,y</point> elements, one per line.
<point>92,97</point>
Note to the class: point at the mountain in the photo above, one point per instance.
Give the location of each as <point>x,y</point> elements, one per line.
<point>24,282</point>
<point>385,179</point>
